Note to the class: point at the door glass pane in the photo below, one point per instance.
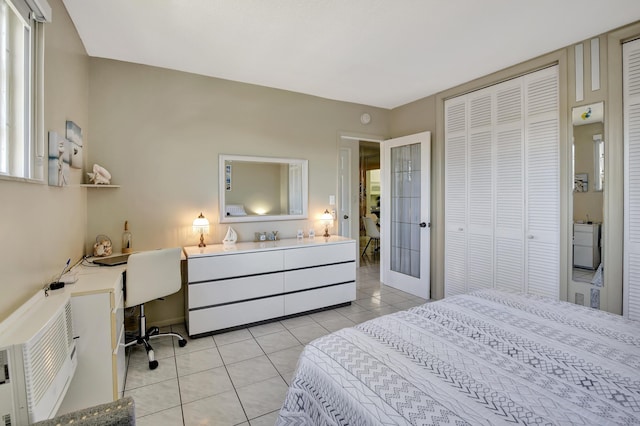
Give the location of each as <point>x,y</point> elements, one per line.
<point>405,210</point>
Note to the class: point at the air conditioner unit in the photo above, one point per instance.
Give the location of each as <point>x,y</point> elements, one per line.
<point>37,359</point>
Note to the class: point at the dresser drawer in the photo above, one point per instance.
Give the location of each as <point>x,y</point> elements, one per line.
<point>322,255</point>
<point>233,265</point>
<point>316,277</point>
<point>220,317</point>
<point>319,298</point>
<point>234,290</point>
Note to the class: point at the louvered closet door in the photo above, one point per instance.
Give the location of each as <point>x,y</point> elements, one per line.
<point>480,191</point>
<point>509,195</point>
<point>542,166</point>
<point>455,123</point>
<point>631,101</point>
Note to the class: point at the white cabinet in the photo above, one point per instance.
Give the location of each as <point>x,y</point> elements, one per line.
<point>97,305</point>
<point>586,245</point>
<point>502,187</point>
<point>231,286</point>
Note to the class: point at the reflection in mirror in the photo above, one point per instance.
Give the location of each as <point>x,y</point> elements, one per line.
<point>256,189</point>
<point>588,192</point>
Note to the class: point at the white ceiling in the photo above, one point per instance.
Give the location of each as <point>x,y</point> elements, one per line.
<point>383,53</point>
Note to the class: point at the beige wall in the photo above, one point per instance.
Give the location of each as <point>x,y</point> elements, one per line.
<point>160,132</point>
<point>41,226</point>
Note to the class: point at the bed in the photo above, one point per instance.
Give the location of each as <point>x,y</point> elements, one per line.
<point>483,358</point>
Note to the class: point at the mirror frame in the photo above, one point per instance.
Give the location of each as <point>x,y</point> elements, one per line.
<point>223,158</point>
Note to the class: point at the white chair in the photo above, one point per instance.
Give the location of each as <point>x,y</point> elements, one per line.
<point>372,232</point>
<point>152,275</point>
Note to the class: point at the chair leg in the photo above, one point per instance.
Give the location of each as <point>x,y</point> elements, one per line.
<point>152,333</point>
<point>365,247</point>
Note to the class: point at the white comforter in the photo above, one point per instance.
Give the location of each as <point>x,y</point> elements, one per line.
<point>483,358</point>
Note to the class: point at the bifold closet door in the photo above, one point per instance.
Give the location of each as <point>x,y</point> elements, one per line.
<point>631,101</point>
<point>480,193</point>
<point>542,180</point>
<point>455,252</point>
<point>509,178</point>
<point>502,187</point>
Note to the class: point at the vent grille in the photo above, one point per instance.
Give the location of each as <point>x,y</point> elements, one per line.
<point>633,195</point>
<point>509,105</point>
<point>480,112</point>
<point>45,354</point>
<point>633,76</point>
<point>6,420</point>
<point>543,96</point>
<point>456,118</point>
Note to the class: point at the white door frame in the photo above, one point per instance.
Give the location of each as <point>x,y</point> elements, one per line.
<point>352,140</point>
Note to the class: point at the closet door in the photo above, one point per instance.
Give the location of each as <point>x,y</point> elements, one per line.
<point>480,190</point>
<point>455,122</point>
<point>509,178</point>
<point>542,180</point>
<point>631,101</point>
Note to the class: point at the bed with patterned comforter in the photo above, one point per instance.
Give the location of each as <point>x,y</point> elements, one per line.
<point>483,358</point>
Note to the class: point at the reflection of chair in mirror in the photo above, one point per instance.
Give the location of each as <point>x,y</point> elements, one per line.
<point>152,275</point>
<point>372,232</point>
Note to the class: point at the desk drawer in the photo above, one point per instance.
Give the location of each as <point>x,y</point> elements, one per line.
<point>211,319</point>
<point>316,277</point>
<point>322,255</point>
<point>234,265</point>
<point>237,289</point>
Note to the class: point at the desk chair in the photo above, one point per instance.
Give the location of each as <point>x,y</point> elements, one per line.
<point>372,232</point>
<point>152,275</point>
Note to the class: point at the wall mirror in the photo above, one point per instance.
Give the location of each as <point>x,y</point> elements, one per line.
<point>257,189</point>
<point>588,197</point>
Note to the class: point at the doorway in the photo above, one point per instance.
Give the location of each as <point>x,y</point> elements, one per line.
<point>369,200</point>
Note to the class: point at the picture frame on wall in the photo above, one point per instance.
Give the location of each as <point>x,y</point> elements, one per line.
<point>59,159</point>
<point>74,136</point>
<point>581,182</point>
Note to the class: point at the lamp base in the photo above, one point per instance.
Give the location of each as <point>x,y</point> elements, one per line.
<point>202,244</point>
<point>326,232</point>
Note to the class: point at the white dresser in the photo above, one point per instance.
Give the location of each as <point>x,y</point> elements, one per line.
<point>97,304</point>
<point>250,282</point>
<point>586,245</point>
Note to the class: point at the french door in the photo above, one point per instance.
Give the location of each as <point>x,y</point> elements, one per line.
<point>405,213</point>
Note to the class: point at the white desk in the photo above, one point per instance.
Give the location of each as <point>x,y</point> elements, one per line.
<point>97,304</point>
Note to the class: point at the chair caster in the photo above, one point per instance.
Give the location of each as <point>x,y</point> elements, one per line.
<point>153,365</point>
<point>182,343</point>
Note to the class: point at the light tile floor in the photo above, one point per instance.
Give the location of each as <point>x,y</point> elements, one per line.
<point>241,377</point>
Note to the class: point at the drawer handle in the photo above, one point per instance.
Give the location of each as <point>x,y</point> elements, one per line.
<point>530,237</point>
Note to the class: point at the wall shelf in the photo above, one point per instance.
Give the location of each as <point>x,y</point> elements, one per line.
<point>93,185</point>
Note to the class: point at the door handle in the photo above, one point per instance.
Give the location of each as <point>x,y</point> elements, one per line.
<point>345,216</point>
<point>424,225</point>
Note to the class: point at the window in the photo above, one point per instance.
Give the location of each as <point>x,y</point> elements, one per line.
<point>599,162</point>
<point>21,138</point>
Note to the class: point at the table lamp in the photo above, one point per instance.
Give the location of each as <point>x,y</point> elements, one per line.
<point>201,226</point>
<point>327,219</point>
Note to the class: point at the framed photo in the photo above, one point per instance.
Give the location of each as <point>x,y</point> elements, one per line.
<point>227,177</point>
<point>74,136</point>
<point>59,158</point>
<point>581,182</point>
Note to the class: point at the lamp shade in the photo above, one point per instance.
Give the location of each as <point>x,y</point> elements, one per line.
<point>327,216</point>
<point>201,225</point>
